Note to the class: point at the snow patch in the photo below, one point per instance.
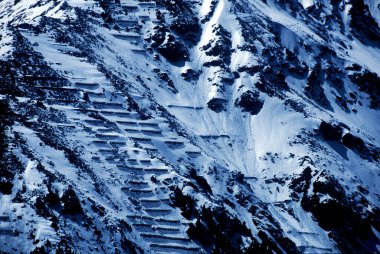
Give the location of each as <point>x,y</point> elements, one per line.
<point>306,3</point>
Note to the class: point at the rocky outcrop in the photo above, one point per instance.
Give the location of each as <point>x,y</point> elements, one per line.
<point>217,104</point>
<point>367,82</point>
<point>249,102</point>
<point>353,142</point>
<point>330,132</point>
<point>9,163</point>
<point>314,89</point>
<point>366,150</point>
<point>347,218</point>
<point>219,52</point>
<point>70,203</point>
<point>363,25</point>
<point>190,75</point>
<point>218,231</point>
<point>219,48</point>
<point>300,184</point>
<point>272,82</point>
<point>184,23</point>
<point>164,76</point>
<point>168,46</point>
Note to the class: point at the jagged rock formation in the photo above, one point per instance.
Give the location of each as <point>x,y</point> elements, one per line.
<point>215,126</point>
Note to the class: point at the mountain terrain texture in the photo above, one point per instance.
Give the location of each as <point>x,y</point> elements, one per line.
<point>190,126</point>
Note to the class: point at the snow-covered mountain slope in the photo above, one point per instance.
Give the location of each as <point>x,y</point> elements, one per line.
<point>215,126</point>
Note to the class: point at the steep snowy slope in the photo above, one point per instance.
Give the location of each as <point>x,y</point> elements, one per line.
<point>213,126</point>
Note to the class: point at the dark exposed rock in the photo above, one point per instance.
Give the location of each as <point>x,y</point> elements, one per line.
<point>70,203</point>
<point>211,12</point>
<point>39,250</point>
<point>8,80</point>
<point>314,89</point>
<point>108,11</point>
<point>41,207</point>
<point>297,106</point>
<point>301,184</point>
<point>184,202</point>
<point>190,75</point>
<point>9,163</point>
<point>275,246</point>
<point>168,45</point>
<point>293,65</point>
<point>335,77</point>
<point>272,82</point>
<point>363,25</point>
<point>217,231</point>
<point>250,102</point>
<point>219,47</point>
<point>185,26</point>
<point>330,187</point>
<point>272,238</point>
<point>353,142</point>
<point>365,150</point>
<point>217,104</point>
<point>342,216</point>
<point>158,35</point>
<point>64,247</point>
<point>173,50</point>
<point>129,246</point>
<point>164,76</point>
<point>201,181</point>
<point>367,82</point>
<point>354,67</point>
<point>184,23</point>
<point>330,132</point>
<point>214,62</point>
<point>342,102</point>
<point>251,69</point>
<point>226,77</point>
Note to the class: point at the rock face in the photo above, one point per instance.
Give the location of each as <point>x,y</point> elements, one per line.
<point>175,126</point>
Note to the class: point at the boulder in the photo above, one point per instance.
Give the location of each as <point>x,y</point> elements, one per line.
<point>330,132</point>
<point>217,104</point>
<point>250,102</point>
<point>353,142</point>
